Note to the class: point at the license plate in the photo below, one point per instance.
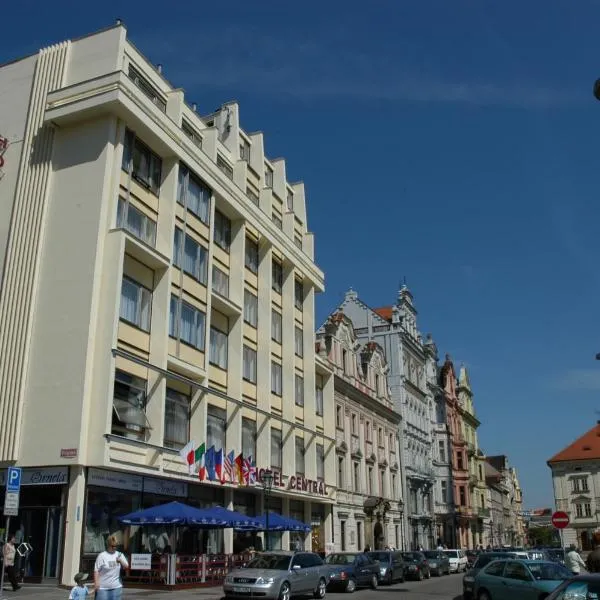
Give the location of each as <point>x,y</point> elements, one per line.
<point>242,590</point>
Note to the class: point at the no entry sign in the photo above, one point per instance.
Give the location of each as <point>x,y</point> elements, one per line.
<point>560,519</point>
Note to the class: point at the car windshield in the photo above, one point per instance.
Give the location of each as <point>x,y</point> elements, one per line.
<point>412,556</point>
<point>340,559</point>
<point>431,554</point>
<point>380,556</point>
<point>274,562</point>
<point>451,553</point>
<point>548,571</point>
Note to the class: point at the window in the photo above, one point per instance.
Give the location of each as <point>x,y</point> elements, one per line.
<point>496,568</point>
<point>442,450</point>
<point>356,470</point>
<point>141,163</point>
<point>276,218</point>
<point>344,360</point>
<point>251,259</point>
<point>147,88</point>
<point>299,390</point>
<point>413,501</point>
<point>298,241</point>
<point>394,486</point>
<point>191,133</point>
<point>216,426</point>
<point>129,405</point>
<point>459,460</point>
<point>380,436</point>
<point>276,326</point>
<point>250,308</point>
<point>518,571</point>
<point>588,509</point>
<point>343,535</point>
<point>218,348</point>
<point>136,304</point>
<point>253,195</point>
<point>248,437</point>
<point>290,200</point>
<point>367,431</point>
<point>340,473</point>
<point>462,496</point>
<point>381,482</point>
<point>224,167</point>
<point>222,231</point>
<point>244,150</point>
<point>298,342</point>
<point>391,443</point>
<point>377,384</point>
<point>276,448</point>
<point>249,364</point>
<point>276,378</point>
<point>370,481</point>
<point>177,419</point>
<point>338,416</point>
<point>277,276</point>
<point>480,470</point>
<point>353,423</point>
<point>136,222</point>
<point>300,455</point>
<point>580,484</point>
<point>320,461</point>
<point>444,490</point>
<point>579,510</point>
<point>186,323</point>
<point>191,256</point>
<point>220,282</point>
<point>193,194</point>
<point>298,293</point>
<point>319,400</point>
<point>268,176</point>
<point>359,535</point>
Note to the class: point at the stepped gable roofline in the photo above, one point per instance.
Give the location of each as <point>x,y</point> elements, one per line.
<point>351,296</point>
<point>586,447</point>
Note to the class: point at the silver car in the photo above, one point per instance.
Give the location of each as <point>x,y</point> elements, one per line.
<point>279,575</point>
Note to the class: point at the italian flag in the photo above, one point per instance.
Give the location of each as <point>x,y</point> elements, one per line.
<point>199,455</point>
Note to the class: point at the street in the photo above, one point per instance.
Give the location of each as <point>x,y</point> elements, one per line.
<point>448,587</point>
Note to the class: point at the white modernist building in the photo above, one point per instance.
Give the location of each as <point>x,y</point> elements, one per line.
<point>157,289</point>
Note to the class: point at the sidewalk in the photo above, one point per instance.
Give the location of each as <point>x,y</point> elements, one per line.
<point>51,592</point>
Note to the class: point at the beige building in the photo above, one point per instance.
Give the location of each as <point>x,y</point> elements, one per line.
<point>158,288</point>
<point>369,492</point>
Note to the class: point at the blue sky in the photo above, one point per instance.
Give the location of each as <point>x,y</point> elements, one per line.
<point>454,143</point>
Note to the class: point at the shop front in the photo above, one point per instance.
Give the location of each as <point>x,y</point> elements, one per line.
<point>40,522</point>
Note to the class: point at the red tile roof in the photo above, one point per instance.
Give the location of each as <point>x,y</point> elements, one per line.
<point>385,312</point>
<point>584,448</point>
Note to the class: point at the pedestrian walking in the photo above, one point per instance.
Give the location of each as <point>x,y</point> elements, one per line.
<point>107,571</point>
<point>573,560</point>
<point>80,591</point>
<point>593,559</point>
<point>9,551</point>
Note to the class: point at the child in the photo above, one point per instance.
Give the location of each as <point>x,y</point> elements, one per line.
<point>80,591</point>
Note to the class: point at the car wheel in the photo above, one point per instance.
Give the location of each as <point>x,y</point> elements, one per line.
<point>484,595</point>
<point>374,582</point>
<point>284,591</point>
<point>319,592</point>
<point>351,585</point>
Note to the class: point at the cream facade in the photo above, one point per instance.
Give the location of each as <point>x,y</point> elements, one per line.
<point>369,493</point>
<point>158,288</point>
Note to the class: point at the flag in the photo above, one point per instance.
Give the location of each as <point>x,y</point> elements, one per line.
<point>228,467</point>
<point>210,464</point>
<point>247,466</point>
<point>187,454</point>
<point>219,465</point>
<point>253,472</point>
<point>199,454</point>
<point>239,468</point>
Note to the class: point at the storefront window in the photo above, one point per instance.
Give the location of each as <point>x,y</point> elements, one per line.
<point>246,504</point>
<point>318,528</point>
<point>296,537</point>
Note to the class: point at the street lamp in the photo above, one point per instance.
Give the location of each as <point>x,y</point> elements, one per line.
<point>267,483</point>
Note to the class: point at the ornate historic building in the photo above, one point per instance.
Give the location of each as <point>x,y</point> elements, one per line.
<point>369,501</point>
<point>394,328</point>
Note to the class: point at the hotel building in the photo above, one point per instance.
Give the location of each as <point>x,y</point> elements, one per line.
<point>158,288</point>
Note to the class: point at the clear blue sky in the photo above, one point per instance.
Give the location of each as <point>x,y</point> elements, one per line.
<point>454,143</point>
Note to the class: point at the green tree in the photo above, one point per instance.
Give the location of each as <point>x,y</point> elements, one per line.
<point>541,536</point>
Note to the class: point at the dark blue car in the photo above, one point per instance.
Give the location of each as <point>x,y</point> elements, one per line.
<point>350,570</point>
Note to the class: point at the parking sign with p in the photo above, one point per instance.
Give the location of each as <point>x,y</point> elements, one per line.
<point>13,479</point>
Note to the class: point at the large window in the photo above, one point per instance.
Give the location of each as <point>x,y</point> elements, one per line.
<point>462,496</point>
<point>222,231</point>
<point>249,364</point>
<point>444,491</point>
<point>299,390</point>
<point>276,448</point>
<point>276,327</point>
<point>298,342</point>
<point>190,255</point>
<point>129,405</point>
<point>298,293</point>
<point>356,474</point>
<point>193,194</point>
<point>216,426</point>
<point>218,348</point>
<point>220,282</point>
<point>136,303</point>
<point>186,323</point>
<point>319,400</point>
<point>141,163</point>
<point>250,308</point>
<point>300,455</point>
<point>136,222</point>
<point>177,419</point>
<point>459,460</point>
<point>248,437</point>
<point>277,276</point>
<point>442,450</point>
<point>276,383</point>
<point>320,462</point>
<point>340,472</point>
<point>251,258</point>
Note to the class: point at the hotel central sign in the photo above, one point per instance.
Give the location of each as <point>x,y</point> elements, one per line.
<point>298,482</point>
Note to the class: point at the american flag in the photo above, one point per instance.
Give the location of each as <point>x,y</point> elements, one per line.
<point>228,467</point>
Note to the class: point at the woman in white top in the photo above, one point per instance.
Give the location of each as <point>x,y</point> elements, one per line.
<point>107,571</point>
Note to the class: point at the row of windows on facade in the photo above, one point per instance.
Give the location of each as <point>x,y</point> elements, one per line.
<point>580,484</point>
<point>129,417</point>
<point>187,324</point>
<point>348,369</point>
<point>339,423</point>
<point>372,487</point>
<point>145,167</point>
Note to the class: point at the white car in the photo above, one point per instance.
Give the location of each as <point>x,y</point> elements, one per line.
<point>458,560</point>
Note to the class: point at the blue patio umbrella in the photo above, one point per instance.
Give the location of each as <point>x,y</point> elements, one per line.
<point>277,522</point>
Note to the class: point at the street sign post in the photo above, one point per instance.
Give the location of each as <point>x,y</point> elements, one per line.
<point>560,520</point>
<point>11,507</point>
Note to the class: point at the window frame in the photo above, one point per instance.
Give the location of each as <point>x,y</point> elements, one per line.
<point>180,239</point>
<point>299,455</point>
<point>279,449</point>
<point>187,404</point>
<point>250,308</point>
<point>220,282</point>
<point>142,291</point>
<point>176,332</point>
<point>249,373</point>
<point>148,225</point>
<point>251,255</point>
<point>298,341</point>
<point>276,368</point>
<point>298,293</point>
<point>222,231</point>
<point>279,321</point>
<point>154,162</point>
<point>276,276</point>
<point>188,175</point>
<point>298,390</point>
<point>220,335</point>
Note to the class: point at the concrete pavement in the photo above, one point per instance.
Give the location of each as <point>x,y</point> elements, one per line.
<point>448,587</point>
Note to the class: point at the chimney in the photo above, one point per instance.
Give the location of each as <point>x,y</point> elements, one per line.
<point>194,106</point>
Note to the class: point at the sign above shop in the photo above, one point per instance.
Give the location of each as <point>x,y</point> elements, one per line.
<point>165,487</point>
<point>68,452</point>
<point>41,476</point>
<point>298,483</point>
<point>114,479</point>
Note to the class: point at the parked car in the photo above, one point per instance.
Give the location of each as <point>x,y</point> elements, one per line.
<point>557,555</point>
<point>279,575</point>
<point>538,554</point>
<point>514,579</point>
<point>439,563</point>
<point>350,570</point>
<point>391,565</point>
<point>582,587</point>
<point>482,560</point>
<point>458,560</point>
<point>416,566</point>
